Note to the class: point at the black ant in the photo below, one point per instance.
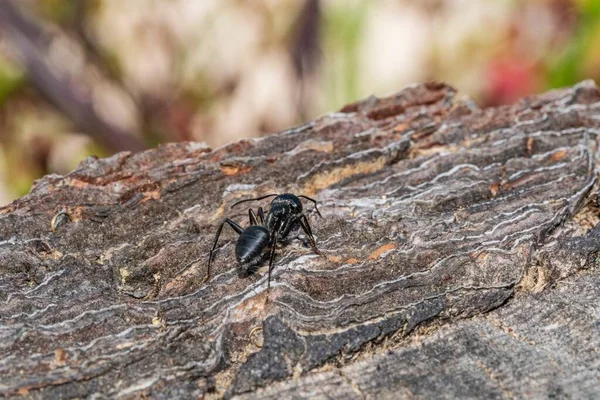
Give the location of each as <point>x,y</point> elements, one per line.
<point>286,210</point>
<point>284,215</point>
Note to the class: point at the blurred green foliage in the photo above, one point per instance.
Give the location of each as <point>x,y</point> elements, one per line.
<point>11,79</point>
<point>580,58</point>
<point>343,30</point>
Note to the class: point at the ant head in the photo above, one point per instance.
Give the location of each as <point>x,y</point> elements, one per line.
<point>288,202</point>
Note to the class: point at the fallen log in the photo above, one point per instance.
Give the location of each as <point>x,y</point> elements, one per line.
<point>459,259</point>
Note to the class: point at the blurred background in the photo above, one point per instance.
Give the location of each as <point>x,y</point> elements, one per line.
<point>95,77</point>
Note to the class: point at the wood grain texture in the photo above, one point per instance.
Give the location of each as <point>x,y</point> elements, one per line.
<point>459,260</point>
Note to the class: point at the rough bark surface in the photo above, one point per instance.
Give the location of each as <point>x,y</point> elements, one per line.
<point>459,260</point>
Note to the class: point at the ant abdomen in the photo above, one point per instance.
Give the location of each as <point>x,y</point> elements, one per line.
<point>251,244</point>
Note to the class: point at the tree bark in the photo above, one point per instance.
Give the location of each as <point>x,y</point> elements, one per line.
<point>459,260</point>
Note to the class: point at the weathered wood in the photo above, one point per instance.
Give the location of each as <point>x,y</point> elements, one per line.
<point>459,260</point>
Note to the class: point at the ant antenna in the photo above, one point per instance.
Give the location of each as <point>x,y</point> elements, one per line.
<point>314,202</point>
<point>254,199</point>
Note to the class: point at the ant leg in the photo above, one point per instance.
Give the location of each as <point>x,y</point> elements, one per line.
<point>235,226</point>
<point>271,257</point>
<point>306,228</point>
<point>273,240</point>
<point>314,202</point>
<point>261,216</point>
<point>254,199</point>
<point>252,215</point>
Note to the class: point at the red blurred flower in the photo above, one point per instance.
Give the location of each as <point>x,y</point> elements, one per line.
<point>509,79</point>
